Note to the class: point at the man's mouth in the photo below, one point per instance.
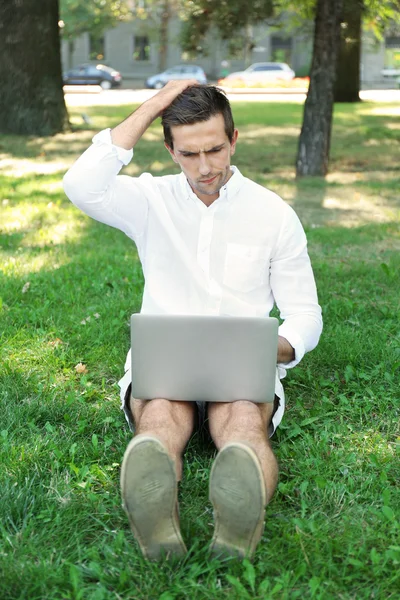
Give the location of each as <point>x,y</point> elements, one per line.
<point>208,180</point>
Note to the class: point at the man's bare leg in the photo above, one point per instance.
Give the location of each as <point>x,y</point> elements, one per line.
<point>150,471</point>
<point>171,422</point>
<point>244,475</point>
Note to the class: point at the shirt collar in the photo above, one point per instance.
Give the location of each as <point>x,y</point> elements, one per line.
<point>228,191</point>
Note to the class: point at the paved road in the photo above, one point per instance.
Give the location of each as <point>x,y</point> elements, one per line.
<point>95,96</point>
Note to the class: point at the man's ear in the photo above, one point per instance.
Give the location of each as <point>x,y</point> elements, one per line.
<point>172,153</point>
<point>234,140</point>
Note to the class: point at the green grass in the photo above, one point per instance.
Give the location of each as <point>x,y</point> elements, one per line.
<point>332,529</point>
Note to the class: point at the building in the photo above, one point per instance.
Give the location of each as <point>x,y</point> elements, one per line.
<point>133,49</point>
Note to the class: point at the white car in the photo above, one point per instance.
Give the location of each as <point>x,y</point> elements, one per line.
<point>261,72</point>
<point>179,72</point>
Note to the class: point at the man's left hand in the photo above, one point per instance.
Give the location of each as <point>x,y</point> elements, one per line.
<point>285,351</point>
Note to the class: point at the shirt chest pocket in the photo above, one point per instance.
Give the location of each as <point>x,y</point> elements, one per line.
<point>246,267</point>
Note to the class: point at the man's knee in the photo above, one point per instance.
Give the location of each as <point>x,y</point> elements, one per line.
<point>160,413</point>
<point>240,418</point>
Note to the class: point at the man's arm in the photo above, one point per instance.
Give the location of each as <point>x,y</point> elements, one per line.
<point>293,286</point>
<point>128,133</point>
<point>93,184</point>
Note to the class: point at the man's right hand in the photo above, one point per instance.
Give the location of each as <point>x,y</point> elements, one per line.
<point>128,133</point>
<point>169,92</point>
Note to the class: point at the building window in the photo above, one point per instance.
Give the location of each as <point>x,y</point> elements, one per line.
<point>141,47</point>
<point>281,49</point>
<point>96,47</point>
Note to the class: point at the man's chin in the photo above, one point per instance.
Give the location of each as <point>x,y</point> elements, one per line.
<point>209,190</point>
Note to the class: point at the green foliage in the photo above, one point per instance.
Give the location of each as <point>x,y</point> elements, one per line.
<point>230,18</point>
<point>92,16</point>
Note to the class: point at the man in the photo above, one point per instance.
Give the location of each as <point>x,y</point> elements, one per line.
<point>211,242</point>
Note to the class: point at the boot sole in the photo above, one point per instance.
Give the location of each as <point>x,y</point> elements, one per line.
<point>149,492</point>
<point>237,493</point>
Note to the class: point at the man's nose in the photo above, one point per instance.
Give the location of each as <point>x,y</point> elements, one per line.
<point>204,166</point>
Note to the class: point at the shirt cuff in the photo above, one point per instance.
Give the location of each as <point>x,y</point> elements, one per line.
<point>295,341</point>
<point>104,137</point>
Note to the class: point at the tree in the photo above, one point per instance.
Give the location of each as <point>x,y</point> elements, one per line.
<point>347,85</point>
<point>375,16</point>
<point>90,16</point>
<point>314,141</point>
<point>233,20</point>
<point>159,13</point>
<point>31,99</point>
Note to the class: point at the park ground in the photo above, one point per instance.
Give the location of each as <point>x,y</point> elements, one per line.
<point>68,286</point>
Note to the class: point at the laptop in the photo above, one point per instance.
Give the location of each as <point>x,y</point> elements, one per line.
<point>204,358</point>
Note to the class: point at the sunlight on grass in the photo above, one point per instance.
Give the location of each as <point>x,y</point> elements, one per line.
<point>343,178</point>
<point>383,111</point>
<point>352,208</point>
<point>373,442</point>
<point>153,135</point>
<point>23,266</point>
<point>159,166</point>
<point>20,167</point>
<point>43,224</point>
<point>249,133</point>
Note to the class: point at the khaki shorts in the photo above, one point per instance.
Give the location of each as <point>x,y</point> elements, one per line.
<point>125,393</point>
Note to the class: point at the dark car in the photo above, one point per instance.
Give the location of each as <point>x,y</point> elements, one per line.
<point>101,75</point>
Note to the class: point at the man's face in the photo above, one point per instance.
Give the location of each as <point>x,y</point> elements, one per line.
<point>203,151</point>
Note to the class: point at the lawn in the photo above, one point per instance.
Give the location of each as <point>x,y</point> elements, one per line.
<point>68,286</point>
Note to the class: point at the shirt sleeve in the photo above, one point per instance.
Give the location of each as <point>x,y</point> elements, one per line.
<point>94,186</point>
<point>294,289</point>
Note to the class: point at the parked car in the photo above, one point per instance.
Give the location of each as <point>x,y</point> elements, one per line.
<point>179,72</point>
<point>261,72</point>
<point>101,75</point>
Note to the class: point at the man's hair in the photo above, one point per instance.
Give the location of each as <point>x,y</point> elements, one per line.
<point>195,104</point>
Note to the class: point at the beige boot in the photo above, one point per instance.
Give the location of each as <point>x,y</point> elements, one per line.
<point>237,493</point>
<point>149,491</point>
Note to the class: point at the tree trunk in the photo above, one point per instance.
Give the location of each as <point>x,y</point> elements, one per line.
<point>248,45</point>
<point>165,18</point>
<point>31,99</point>
<point>347,84</point>
<point>314,142</point>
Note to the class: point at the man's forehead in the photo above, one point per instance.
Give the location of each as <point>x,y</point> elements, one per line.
<point>208,133</point>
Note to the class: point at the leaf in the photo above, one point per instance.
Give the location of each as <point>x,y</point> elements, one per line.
<point>348,373</point>
<point>80,368</point>
<point>249,574</point>
<point>294,432</point>
<point>314,584</point>
<point>309,421</point>
<point>388,512</point>
<point>356,563</point>
<point>167,596</point>
<point>74,577</point>
<point>239,587</point>
<point>385,269</point>
<point>375,556</point>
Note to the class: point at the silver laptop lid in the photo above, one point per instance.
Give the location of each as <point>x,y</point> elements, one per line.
<point>204,358</point>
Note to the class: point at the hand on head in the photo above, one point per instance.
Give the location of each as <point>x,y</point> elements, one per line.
<point>172,90</point>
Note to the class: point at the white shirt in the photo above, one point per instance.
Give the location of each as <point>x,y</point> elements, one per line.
<point>235,257</point>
